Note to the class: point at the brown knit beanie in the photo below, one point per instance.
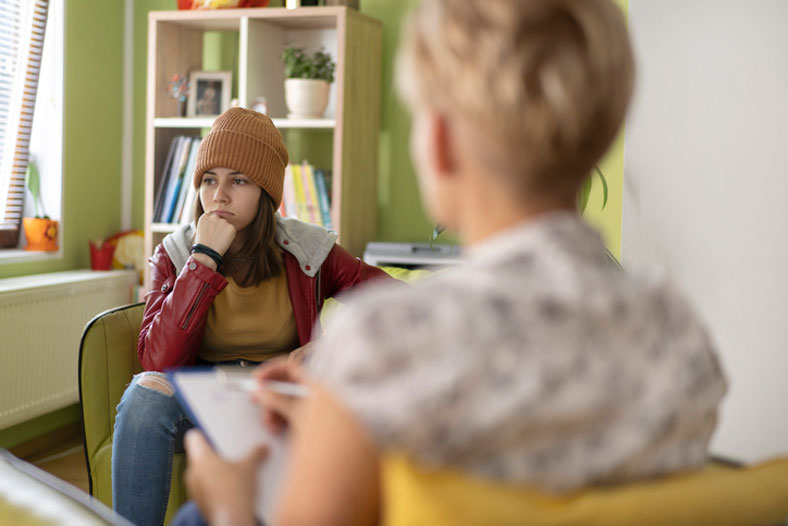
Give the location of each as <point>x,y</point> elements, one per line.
<point>248,142</point>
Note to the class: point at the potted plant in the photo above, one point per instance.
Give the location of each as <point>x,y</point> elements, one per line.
<point>307,81</point>
<point>40,231</point>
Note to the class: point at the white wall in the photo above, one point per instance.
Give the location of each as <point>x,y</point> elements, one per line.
<point>706,190</point>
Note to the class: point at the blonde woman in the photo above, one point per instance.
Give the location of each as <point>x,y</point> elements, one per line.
<point>536,362</point>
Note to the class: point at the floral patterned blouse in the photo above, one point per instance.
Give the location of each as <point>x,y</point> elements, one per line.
<point>535,361</point>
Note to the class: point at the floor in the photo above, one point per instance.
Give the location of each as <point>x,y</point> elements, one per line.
<point>60,453</point>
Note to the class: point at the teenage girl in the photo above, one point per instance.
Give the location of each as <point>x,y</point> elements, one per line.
<point>240,287</point>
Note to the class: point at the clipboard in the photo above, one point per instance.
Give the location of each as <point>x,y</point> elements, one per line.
<point>232,423</point>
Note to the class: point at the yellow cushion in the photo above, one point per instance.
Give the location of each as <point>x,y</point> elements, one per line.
<point>332,307</point>
<point>409,275</point>
<point>754,495</point>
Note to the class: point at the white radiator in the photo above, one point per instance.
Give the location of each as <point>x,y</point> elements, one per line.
<point>41,322</point>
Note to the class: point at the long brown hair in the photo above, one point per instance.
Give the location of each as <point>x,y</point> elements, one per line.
<point>260,255</point>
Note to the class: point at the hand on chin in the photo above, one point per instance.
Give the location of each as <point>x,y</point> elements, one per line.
<point>215,231</point>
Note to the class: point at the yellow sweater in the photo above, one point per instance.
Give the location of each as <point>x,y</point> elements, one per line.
<point>253,323</point>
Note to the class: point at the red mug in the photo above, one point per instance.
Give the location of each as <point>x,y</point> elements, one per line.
<point>101,256</point>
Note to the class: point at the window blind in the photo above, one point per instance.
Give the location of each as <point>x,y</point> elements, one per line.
<point>22,29</point>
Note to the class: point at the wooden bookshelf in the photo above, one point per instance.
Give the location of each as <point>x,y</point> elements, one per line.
<point>175,46</point>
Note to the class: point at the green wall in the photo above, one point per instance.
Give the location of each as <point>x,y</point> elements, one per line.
<point>92,133</point>
<point>400,214</point>
<point>401,217</point>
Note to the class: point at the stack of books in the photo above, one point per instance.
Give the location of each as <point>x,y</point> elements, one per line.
<point>307,194</point>
<point>175,195</point>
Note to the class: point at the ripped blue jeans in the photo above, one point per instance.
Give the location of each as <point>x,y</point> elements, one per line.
<point>149,429</point>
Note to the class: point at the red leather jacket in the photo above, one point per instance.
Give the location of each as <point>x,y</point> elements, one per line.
<point>178,304</point>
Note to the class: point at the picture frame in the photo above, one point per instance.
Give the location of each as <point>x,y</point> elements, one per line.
<point>209,93</point>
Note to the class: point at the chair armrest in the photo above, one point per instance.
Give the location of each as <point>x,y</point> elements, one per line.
<point>107,363</point>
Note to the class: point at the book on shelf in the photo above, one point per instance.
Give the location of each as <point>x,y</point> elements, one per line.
<point>323,197</point>
<point>170,191</point>
<point>306,195</point>
<point>310,195</point>
<point>159,200</point>
<point>288,208</point>
<point>178,177</point>
<point>169,183</point>
<point>187,181</point>
<point>175,194</point>
<point>300,197</point>
<point>187,214</point>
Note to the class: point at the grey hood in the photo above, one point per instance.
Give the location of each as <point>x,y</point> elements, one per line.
<point>309,244</point>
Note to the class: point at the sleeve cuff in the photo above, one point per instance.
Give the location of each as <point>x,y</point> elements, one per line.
<point>202,272</point>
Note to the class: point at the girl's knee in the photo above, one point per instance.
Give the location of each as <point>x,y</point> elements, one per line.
<point>147,392</point>
<point>148,404</point>
<point>155,382</point>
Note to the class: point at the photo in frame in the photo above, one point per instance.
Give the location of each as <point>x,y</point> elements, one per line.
<point>209,93</point>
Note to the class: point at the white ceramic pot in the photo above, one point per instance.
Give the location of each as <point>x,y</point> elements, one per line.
<point>306,98</point>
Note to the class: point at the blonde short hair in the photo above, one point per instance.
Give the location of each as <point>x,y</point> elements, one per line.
<point>542,85</point>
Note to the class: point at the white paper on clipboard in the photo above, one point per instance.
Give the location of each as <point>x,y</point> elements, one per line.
<point>232,423</point>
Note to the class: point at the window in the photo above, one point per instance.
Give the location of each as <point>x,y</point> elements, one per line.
<point>22,29</point>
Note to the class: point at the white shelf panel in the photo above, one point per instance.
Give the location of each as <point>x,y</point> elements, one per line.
<point>183,122</point>
<point>322,17</point>
<point>206,122</point>
<point>327,124</point>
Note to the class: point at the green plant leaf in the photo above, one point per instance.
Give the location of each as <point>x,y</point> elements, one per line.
<point>33,182</point>
<point>300,65</point>
<point>436,232</point>
<point>604,186</point>
<point>585,193</point>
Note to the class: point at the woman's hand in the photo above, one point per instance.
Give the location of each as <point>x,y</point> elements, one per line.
<point>280,410</point>
<point>224,491</point>
<point>215,232</point>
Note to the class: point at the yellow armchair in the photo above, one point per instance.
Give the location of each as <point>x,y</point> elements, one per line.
<point>715,495</point>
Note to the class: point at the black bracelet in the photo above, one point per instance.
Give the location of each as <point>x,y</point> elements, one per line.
<point>208,251</point>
